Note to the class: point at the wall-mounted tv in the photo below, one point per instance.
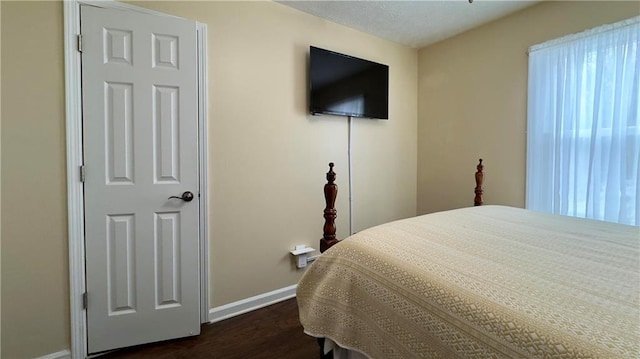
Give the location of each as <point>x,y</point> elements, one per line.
<point>347,86</point>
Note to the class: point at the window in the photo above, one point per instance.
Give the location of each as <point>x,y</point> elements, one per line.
<point>583,139</point>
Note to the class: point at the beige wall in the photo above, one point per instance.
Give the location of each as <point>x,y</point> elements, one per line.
<point>267,155</point>
<point>35,291</point>
<point>473,99</point>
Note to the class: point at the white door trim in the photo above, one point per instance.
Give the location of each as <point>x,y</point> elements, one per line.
<point>203,158</point>
<point>75,194</point>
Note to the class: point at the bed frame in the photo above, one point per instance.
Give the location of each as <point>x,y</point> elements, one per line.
<point>331,192</point>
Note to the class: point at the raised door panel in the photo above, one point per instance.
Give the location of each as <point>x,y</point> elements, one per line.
<point>118,118</point>
<point>168,246</point>
<point>121,263</point>
<point>166,123</point>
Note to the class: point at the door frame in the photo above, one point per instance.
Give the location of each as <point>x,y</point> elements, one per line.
<point>75,187</point>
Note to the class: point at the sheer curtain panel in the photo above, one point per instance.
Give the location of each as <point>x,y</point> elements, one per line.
<point>583,139</point>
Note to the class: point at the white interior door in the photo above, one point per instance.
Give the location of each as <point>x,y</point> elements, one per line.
<point>139,85</point>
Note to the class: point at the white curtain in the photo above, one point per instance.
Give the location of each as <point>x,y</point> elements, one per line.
<point>583,140</point>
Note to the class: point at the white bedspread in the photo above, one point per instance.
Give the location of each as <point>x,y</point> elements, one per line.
<point>483,282</point>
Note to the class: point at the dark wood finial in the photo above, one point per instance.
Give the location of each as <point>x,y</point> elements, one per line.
<point>331,176</point>
<point>330,194</point>
<point>479,179</point>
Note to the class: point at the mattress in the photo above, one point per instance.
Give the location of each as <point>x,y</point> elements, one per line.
<point>482,282</point>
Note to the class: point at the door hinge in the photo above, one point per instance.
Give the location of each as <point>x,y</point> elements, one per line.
<point>83,173</point>
<point>85,300</point>
<point>79,43</point>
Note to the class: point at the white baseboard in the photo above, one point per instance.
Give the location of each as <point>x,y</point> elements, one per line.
<point>63,354</point>
<point>226,311</point>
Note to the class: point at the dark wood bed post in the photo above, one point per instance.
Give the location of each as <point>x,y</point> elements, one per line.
<point>330,194</point>
<point>479,179</point>
<point>329,230</point>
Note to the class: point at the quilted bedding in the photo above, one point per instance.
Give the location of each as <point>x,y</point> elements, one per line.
<point>482,282</point>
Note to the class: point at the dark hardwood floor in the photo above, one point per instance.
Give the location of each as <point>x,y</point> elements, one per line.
<point>270,332</point>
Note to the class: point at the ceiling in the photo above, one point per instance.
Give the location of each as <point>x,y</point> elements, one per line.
<point>413,23</point>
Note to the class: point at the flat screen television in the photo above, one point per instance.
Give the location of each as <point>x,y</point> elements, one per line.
<point>347,86</point>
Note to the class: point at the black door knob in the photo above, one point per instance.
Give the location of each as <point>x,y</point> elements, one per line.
<point>186,196</point>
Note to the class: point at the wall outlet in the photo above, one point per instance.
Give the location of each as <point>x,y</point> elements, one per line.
<point>301,253</point>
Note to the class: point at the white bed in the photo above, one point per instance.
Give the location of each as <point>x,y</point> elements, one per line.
<point>481,282</point>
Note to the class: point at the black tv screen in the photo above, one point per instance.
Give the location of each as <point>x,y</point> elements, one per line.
<point>347,86</point>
